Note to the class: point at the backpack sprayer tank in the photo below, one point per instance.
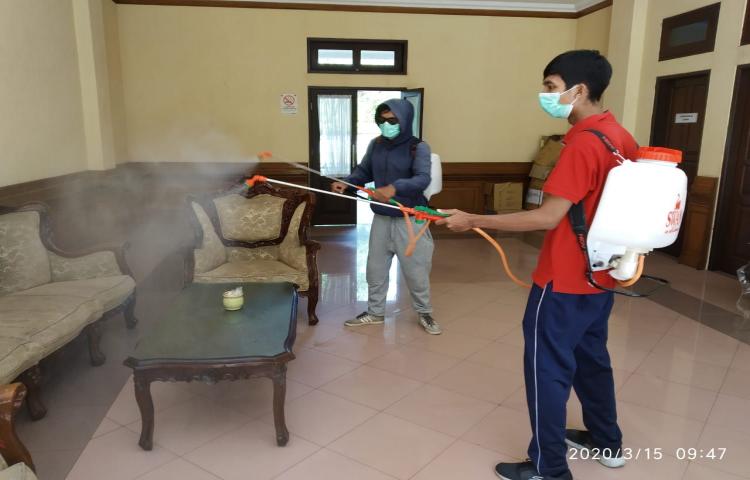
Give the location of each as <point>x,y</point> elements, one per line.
<point>436,177</point>
<point>641,209</point>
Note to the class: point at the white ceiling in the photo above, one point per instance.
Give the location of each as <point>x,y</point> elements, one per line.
<point>565,6</point>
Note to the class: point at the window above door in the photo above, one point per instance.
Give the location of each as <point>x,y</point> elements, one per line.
<point>689,33</point>
<point>327,55</point>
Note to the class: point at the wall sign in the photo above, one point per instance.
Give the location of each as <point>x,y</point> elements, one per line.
<point>686,118</point>
<point>288,104</point>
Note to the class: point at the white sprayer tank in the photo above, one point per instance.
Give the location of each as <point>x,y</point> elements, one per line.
<point>641,209</point>
<point>436,177</point>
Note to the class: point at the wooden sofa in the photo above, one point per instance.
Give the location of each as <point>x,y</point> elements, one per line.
<point>15,461</point>
<point>48,296</point>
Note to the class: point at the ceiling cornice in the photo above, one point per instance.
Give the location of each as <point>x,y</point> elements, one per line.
<point>438,7</point>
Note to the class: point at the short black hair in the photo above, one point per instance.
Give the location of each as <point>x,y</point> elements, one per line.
<point>582,66</point>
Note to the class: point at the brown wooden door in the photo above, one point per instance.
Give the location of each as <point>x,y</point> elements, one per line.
<point>732,236</point>
<point>333,114</point>
<point>679,110</point>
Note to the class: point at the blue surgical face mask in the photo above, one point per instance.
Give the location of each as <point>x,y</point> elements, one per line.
<point>550,103</point>
<point>390,131</point>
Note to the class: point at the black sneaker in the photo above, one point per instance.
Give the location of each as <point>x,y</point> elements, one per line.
<point>364,318</point>
<point>525,471</point>
<point>581,440</point>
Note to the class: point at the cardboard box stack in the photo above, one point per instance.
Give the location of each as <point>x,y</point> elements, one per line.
<point>507,197</point>
<point>543,164</point>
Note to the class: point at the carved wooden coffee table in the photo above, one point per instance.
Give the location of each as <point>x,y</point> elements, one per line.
<point>198,340</point>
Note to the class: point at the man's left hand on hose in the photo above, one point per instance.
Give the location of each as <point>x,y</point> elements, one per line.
<point>384,194</point>
<point>458,221</point>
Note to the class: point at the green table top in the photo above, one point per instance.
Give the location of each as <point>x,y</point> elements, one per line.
<point>196,327</point>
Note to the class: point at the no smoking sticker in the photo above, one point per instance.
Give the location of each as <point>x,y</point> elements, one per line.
<point>288,104</point>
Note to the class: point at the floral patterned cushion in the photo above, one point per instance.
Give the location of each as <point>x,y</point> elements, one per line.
<point>250,219</point>
<point>254,271</point>
<point>291,251</point>
<point>26,316</point>
<point>212,254</point>
<point>23,259</point>
<point>109,291</point>
<point>238,254</point>
<point>16,355</point>
<point>95,265</point>
<point>19,471</point>
<point>34,326</point>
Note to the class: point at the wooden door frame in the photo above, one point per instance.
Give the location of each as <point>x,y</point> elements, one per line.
<point>421,109</point>
<point>720,218</point>
<point>312,109</point>
<point>658,119</point>
<point>658,90</point>
<point>313,126</point>
<point>314,141</point>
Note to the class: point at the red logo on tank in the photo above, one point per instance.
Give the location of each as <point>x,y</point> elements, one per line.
<point>674,218</point>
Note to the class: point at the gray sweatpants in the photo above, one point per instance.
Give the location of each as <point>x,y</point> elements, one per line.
<point>388,236</point>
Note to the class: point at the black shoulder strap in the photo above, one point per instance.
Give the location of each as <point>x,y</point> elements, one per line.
<point>607,143</point>
<point>577,214</point>
<point>577,217</point>
<point>413,147</point>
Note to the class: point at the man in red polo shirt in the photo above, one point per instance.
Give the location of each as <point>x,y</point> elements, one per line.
<point>565,324</point>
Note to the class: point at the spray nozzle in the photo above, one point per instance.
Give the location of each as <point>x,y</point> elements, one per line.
<point>431,212</point>
<point>250,182</point>
<point>423,214</point>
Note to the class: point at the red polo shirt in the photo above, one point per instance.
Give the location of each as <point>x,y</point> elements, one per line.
<point>580,174</point>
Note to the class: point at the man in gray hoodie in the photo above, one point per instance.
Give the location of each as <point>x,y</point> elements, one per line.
<point>399,164</point>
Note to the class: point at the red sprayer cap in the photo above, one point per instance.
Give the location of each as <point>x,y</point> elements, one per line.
<point>659,154</point>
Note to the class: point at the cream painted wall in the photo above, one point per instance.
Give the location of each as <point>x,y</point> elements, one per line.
<point>626,46</point>
<point>117,103</point>
<point>41,126</point>
<point>203,84</point>
<point>213,96</point>
<point>93,72</point>
<point>722,62</point>
<point>592,31</point>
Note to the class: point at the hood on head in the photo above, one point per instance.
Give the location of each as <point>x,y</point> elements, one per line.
<point>404,111</point>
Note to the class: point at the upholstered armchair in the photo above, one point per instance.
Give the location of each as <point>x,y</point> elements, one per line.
<point>48,296</point>
<point>15,461</point>
<point>260,234</point>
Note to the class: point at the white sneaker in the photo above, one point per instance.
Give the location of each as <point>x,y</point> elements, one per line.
<point>429,324</point>
<point>365,318</point>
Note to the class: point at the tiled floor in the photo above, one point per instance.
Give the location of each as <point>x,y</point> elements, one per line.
<point>390,402</point>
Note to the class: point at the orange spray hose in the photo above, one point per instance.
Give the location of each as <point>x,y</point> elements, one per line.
<point>626,283</point>
<point>411,245</point>
<point>503,258</point>
<point>638,273</point>
<point>413,239</point>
